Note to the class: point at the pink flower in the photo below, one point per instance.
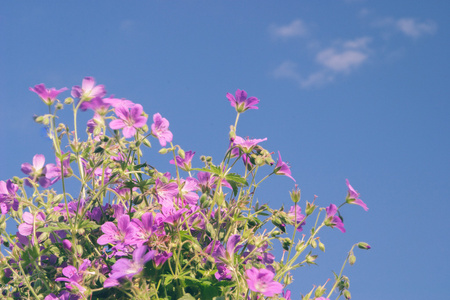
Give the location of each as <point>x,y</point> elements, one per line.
<point>160,129</point>
<point>129,120</point>
<point>47,95</point>
<point>88,89</point>
<point>282,168</point>
<point>332,220</point>
<point>352,197</point>
<point>8,198</point>
<point>246,145</point>
<point>261,281</point>
<point>241,103</point>
<point>38,172</point>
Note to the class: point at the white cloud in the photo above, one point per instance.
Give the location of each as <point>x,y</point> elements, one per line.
<point>296,29</point>
<point>415,29</point>
<point>341,58</point>
<point>344,57</point>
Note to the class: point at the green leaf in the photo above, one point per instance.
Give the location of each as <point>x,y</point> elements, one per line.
<point>236,178</point>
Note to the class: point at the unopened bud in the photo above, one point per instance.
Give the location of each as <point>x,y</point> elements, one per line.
<point>310,259</point>
<point>319,291</point>
<point>313,244</point>
<point>163,151</point>
<point>68,100</point>
<point>147,143</point>
<point>39,119</point>
<point>295,194</point>
<point>351,259</point>
<point>145,128</point>
<point>181,153</point>
<point>59,106</point>
<point>286,243</point>
<point>347,295</point>
<point>321,246</point>
<point>310,207</point>
<point>364,246</point>
<point>232,132</point>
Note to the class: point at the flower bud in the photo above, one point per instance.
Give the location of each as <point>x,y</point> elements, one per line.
<point>351,259</point>
<point>295,194</point>
<point>364,246</point>
<point>319,291</point>
<point>310,259</point>
<point>147,143</point>
<point>286,243</point>
<point>347,295</point>
<point>163,151</point>
<point>68,100</point>
<point>145,128</point>
<point>181,153</point>
<point>232,132</point>
<point>321,246</point>
<point>310,207</point>
<point>300,246</point>
<point>39,119</point>
<point>59,106</point>
<point>313,244</point>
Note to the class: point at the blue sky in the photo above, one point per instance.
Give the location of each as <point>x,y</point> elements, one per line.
<point>349,89</point>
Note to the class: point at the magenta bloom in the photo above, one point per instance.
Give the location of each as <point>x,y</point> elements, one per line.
<point>115,234</point>
<point>261,281</point>
<point>129,120</point>
<point>127,268</point>
<point>140,231</point>
<point>246,145</point>
<point>352,197</point>
<point>282,168</point>
<point>160,129</point>
<point>241,103</point>
<point>47,95</point>
<point>332,220</point>
<point>88,89</point>
<point>74,277</point>
<point>38,172</point>
<point>8,198</point>
<point>184,164</point>
<point>295,213</point>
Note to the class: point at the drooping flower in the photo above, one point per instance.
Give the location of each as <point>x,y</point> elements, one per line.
<point>129,120</point>
<point>295,213</point>
<point>241,103</point>
<point>353,197</point>
<point>160,129</point>
<point>8,197</point>
<point>184,163</point>
<point>47,95</point>
<point>88,90</point>
<point>127,268</point>
<point>332,220</point>
<point>282,168</point>
<point>261,281</point>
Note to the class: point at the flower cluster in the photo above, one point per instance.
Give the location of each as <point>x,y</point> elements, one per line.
<point>134,232</point>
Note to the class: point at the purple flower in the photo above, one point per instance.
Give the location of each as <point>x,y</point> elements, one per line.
<point>165,192</point>
<point>26,228</point>
<point>332,220</point>
<point>241,103</point>
<point>295,213</point>
<point>352,197</point>
<point>98,105</point>
<point>161,258</point>
<point>160,129</point>
<point>129,120</point>
<point>115,234</point>
<point>245,145</point>
<point>282,168</point>
<point>184,163</point>
<point>38,172</point>
<point>140,231</point>
<point>127,268</point>
<point>261,281</point>
<point>188,191</point>
<point>47,95</point>
<point>88,89</point>
<point>8,198</point>
<point>74,277</point>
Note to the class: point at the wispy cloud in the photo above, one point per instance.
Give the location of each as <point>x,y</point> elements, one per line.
<point>414,28</point>
<point>296,28</point>
<point>408,26</point>
<point>341,58</point>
